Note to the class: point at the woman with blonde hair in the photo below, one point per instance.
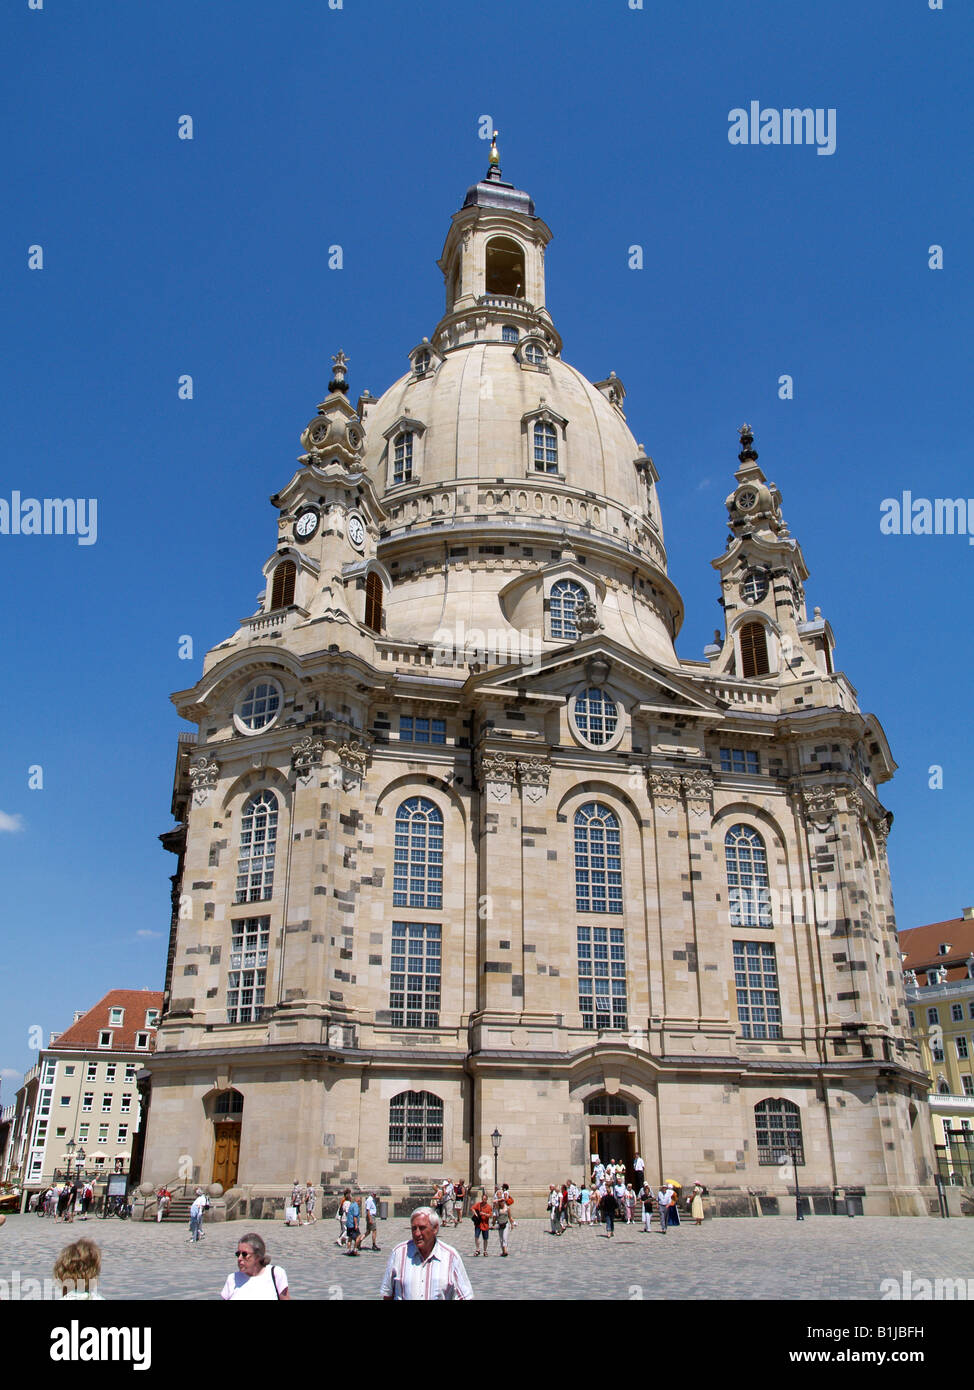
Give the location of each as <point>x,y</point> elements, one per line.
<point>79,1263</point>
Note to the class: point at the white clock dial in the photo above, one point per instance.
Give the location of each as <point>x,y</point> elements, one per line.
<point>306,524</point>
<point>356,532</point>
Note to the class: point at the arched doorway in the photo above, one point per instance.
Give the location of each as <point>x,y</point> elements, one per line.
<point>226,1112</point>
<point>611,1124</point>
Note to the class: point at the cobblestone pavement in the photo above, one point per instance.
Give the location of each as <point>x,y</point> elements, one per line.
<point>758,1258</point>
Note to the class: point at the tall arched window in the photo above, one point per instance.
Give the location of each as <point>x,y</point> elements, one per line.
<point>373,602</point>
<point>258,839</point>
<point>598,861</point>
<point>415,1128</point>
<point>504,267</point>
<point>778,1124</point>
<point>282,593</point>
<point>545,448</point>
<point>418,867</point>
<point>565,598</point>
<point>747,878</point>
<point>402,458</point>
<point>754,650</point>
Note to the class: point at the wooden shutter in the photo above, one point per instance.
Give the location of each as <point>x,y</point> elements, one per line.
<point>373,602</point>
<point>282,594</point>
<point>754,650</point>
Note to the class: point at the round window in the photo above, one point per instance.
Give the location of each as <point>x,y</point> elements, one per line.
<point>258,706</point>
<point>595,717</point>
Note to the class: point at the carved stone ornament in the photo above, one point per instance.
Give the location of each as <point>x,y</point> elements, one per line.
<point>698,788</point>
<point>664,788</point>
<point>587,618</point>
<point>910,978</point>
<point>354,758</point>
<point>880,829</point>
<point>534,774</point>
<point>306,755</point>
<point>497,771</point>
<point>855,804</point>
<point>203,775</point>
<point>819,802</point>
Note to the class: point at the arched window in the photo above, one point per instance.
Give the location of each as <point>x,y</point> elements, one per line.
<point>754,650</point>
<point>565,598</point>
<point>423,361</point>
<point>596,716</point>
<point>258,839</point>
<point>282,593</point>
<point>415,1128</point>
<point>534,354</point>
<point>598,859</point>
<point>505,267</point>
<point>402,457</point>
<point>545,448</point>
<point>747,878</point>
<point>258,706</point>
<point>778,1124</point>
<point>418,868</point>
<point>509,333</point>
<point>373,602</point>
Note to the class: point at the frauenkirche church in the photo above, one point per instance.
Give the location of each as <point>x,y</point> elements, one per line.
<point>465,847</point>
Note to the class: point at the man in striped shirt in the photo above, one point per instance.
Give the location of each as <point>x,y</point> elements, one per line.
<point>424,1268</point>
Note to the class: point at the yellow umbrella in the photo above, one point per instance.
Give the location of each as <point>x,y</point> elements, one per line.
<point>671,1183</point>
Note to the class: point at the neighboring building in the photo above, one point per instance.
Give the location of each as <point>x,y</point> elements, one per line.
<point>7,1116</point>
<point>18,1144</point>
<point>938,961</point>
<point>463,845</point>
<point>83,1089</point>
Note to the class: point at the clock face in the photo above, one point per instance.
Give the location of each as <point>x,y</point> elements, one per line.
<point>306,524</point>
<point>356,531</point>
<point>746,500</point>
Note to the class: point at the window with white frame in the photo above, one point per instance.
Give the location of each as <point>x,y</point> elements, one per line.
<point>747,877</point>
<point>106,1100</point>
<point>104,1038</point>
<point>126,1104</point>
<point>87,1101</point>
<point>967,1081</point>
<point>64,1100</point>
<point>50,1068</point>
<point>258,842</point>
<point>595,716</point>
<point>534,354</point>
<point>756,982</point>
<point>122,1134</point>
<point>103,1134</point>
<point>152,1018</point>
<point>563,600</point>
<point>602,990</point>
<point>598,859</point>
<point>44,1102</point>
<point>258,706</point>
<point>960,1043</point>
<point>418,864</point>
<point>141,1041</point>
<point>545,448</point>
<point>110,1071</point>
<point>247,977</point>
<point>130,1072</point>
<point>422,362</point>
<point>83,1134</point>
<point>414,975</point>
<point>402,457</point>
<point>957,1012</point>
<point>69,1071</point>
<point>91,1071</point>
<point>115,1017</point>
<point>932,1016</point>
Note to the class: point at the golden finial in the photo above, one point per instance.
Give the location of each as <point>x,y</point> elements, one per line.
<point>494,156</point>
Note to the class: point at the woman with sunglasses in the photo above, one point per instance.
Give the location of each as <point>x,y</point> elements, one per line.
<point>255,1276</point>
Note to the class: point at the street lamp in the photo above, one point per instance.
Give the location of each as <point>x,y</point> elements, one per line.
<point>495,1139</point>
<point>70,1148</point>
<point>798,1198</point>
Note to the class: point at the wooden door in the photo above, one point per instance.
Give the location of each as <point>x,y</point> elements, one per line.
<point>226,1154</point>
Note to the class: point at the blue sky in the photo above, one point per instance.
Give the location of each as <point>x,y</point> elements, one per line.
<point>359,126</point>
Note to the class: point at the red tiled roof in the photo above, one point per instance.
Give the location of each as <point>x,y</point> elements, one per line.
<point>920,946</point>
<point>135,1002</point>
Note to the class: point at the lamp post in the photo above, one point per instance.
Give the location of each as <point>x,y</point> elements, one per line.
<point>70,1149</point>
<point>798,1197</point>
<point>495,1139</point>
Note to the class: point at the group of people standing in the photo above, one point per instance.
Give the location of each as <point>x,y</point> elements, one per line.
<point>492,1213</point>
<point>306,1197</point>
<point>609,1198</point>
<point>65,1200</point>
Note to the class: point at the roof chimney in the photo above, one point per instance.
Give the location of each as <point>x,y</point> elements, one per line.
<point>969,914</point>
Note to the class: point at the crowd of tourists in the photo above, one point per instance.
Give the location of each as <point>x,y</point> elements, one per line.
<point>63,1201</point>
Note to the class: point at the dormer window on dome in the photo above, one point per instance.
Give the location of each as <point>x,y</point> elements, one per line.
<point>532,353</point>
<point>402,457</point>
<point>545,448</point>
<point>544,433</point>
<point>509,333</point>
<point>404,451</point>
<point>424,358</point>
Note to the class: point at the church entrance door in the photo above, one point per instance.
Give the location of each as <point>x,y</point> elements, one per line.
<point>612,1144</point>
<point>226,1154</point>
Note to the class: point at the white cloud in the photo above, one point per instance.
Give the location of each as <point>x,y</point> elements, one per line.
<point>12,823</point>
<point>10,1074</point>
<point>148,935</point>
